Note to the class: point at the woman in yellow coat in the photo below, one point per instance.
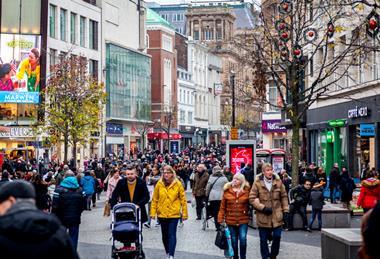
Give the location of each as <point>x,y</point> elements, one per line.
<point>169,205</point>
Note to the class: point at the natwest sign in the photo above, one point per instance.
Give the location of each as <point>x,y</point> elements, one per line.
<point>268,126</point>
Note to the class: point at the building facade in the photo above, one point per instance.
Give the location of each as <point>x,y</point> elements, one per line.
<point>161,47</point>
<point>127,69</point>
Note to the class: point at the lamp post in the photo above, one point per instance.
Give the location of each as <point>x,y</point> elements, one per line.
<point>232,83</point>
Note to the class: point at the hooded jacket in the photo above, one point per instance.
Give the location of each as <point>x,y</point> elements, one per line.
<point>68,202</point>
<point>88,184</point>
<point>276,199</point>
<point>369,193</point>
<point>26,232</point>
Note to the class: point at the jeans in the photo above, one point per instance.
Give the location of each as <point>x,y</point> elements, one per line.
<point>300,210</point>
<point>93,198</point>
<point>264,233</point>
<point>169,234</point>
<point>316,213</point>
<point>239,235</point>
<point>214,210</point>
<point>74,233</point>
<point>333,191</point>
<point>199,205</point>
<point>88,201</point>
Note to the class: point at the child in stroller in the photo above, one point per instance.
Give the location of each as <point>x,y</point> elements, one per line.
<point>127,230</point>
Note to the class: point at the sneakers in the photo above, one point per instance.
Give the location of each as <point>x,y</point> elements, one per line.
<point>308,230</point>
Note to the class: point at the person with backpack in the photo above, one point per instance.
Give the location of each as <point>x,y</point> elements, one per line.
<point>347,186</point>
<point>88,185</point>
<point>214,192</point>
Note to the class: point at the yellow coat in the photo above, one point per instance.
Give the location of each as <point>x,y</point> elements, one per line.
<point>169,201</point>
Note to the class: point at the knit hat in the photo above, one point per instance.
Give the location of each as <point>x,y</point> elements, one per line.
<point>216,169</point>
<point>17,189</point>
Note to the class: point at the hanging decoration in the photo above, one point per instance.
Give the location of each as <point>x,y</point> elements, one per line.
<point>281,25</point>
<point>297,52</point>
<point>310,35</point>
<point>285,7</point>
<point>330,30</point>
<point>372,24</point>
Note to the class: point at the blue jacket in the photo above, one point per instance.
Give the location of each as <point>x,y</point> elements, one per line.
<point>88,184</point>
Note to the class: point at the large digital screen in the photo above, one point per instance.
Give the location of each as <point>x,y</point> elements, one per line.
<point>239,154</point>
<point>20,71</point>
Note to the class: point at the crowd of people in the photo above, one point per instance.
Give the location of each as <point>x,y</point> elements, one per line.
<point>157,184</point>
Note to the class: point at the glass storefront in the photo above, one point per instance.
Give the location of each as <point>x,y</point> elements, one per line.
<point>128,84</point>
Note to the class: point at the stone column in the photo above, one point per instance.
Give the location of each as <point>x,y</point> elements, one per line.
<point>200,30</point>
<point>214,36</point>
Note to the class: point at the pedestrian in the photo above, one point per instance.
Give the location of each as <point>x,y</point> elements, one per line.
<point>234,211</point>
<point>199,190</point>
<point>247,171</point>
<point>316,202</point>
<point>370,228</point>
<point>227,173</point>
<point>112,179</point>
<point>68,205</point>
<point>287,181</point>
<point>347,186</point>
<point>98,188</point>
<point>169,205</point>
<point>214,192</point>
<point>132,189</point>
<point>369,193</point>
<point>25,231</point>
<point>152,180</point>
<point>88,185</point>
<point>299,198</point>
<point>321,177</point>
<point>268,197</point>
<point>4,177</point>
<point>43,200</point>
<point>334,182</point>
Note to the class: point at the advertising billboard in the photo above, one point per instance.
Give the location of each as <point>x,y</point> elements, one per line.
<point>239,152</point>
<point>20,71</point>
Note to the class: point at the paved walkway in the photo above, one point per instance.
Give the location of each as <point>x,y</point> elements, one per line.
<point>193,242</point>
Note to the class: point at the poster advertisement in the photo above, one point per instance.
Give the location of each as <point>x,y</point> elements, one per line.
<point>20,68</point>
<point>174,147</point>
<point>239,152</point>
<point>277,163</point>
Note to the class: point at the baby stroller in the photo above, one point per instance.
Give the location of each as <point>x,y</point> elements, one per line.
<point>126,232</point>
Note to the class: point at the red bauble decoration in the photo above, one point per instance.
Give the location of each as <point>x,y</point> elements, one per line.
<point>281,26</point>
<point>284,35</point>
<point>310,34</point>
<point>372,24</point>
<point>285,6</point>
<point>331,28</point>
<point>297,52</point>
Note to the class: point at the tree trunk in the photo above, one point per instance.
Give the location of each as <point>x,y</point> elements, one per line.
<point>75,154</point>
<point>295,152</point>
<point>65,147</point>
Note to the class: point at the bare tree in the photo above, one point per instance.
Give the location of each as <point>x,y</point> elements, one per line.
<point>305,49</point>
<point>169,115</point>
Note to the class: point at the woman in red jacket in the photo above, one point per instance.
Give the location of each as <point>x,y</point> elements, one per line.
<point>369,193</point>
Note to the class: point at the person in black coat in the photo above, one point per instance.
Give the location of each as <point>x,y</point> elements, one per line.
<point>334,182</point>
<point>316,202</point>
<point>347,186</point>
<point>300,197</point>
<point>25,231</point>
<point>132,189</point>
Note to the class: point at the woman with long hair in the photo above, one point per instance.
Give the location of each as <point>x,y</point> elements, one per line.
<point>43,200</point>
<point>112,180</point>
<point>234,210</point>
<point>169,205</point>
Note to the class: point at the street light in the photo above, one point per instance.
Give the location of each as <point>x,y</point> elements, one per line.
<point>232,83</point>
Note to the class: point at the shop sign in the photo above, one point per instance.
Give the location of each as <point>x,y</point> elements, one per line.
<point>114,128</point>
<point>358,112</point>
<point>17,132</point>
<point>268,126</point>
<point>367,130</point>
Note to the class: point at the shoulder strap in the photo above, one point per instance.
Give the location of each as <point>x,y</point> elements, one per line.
<point>212,185</point>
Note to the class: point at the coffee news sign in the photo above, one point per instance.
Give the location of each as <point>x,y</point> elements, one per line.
<point>20,132</point>
<point>358,112</point>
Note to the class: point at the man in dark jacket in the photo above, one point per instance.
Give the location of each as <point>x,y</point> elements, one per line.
<point>248,173</point>
<point>132,189</point>
<point>334,182</point>
<point>68,205</point>
<point>299,197</point>
<point>199,189</point>
<point>25,231</point>
<point>316,202</point>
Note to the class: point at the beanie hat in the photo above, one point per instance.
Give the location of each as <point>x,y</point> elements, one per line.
<point>216,169</point>
<point>17,189</point>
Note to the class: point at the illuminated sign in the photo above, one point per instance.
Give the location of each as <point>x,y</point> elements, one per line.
<point>240,152</point>
<point>358,112</point>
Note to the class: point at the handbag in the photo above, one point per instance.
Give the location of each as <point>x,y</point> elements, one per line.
<point>221,239</point>
<point>107,209</point>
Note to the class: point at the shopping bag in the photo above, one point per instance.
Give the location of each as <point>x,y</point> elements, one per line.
<point>193,202</point>
<point>229,252</point>
<point>221,240</point>
<point>107,209</point>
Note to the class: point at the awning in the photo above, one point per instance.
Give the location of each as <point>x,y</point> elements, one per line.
<point>164,135</point>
